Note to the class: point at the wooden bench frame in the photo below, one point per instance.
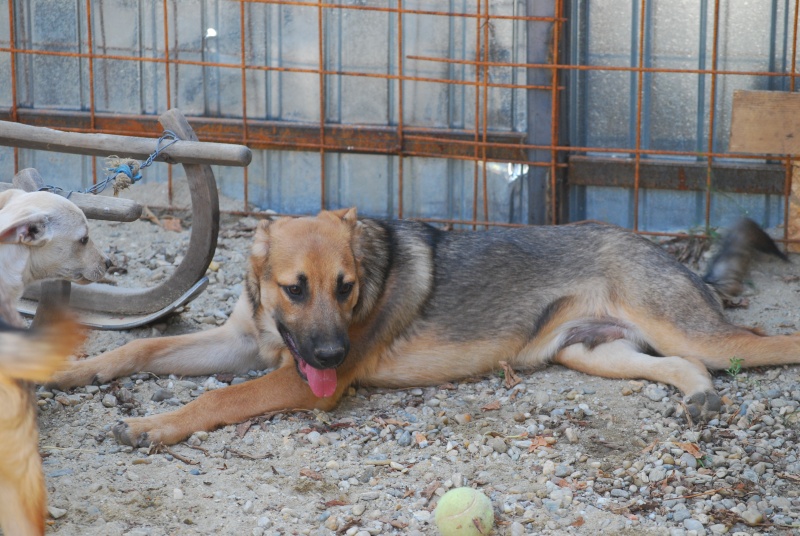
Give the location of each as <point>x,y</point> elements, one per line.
<point>109,307</point>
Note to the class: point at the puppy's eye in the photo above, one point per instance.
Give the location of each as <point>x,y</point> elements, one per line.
<point>294,290</point>
<point>85,240</point>
<point>345,289</point>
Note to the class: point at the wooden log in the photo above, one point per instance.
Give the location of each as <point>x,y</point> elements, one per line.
<point>182,152</point>
<point>98,207</point>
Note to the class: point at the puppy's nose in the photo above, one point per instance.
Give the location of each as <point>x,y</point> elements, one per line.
<point>109,263</point>
<point>330,356</point>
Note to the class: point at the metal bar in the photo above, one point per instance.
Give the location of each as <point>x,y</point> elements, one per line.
<point>681,176</point>
<point>554,116</point>
<point>712,111</point>
<point>485,110</point>
<point>477,112</point>
<point>504,145</point>
<point>400,110</point>
<point>358,7</point>
<point>321,52</point>
<point>639,102</point>
<point>168,88</point>
<point>243,47</point>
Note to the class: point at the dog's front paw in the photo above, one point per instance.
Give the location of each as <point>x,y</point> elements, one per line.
<point>132,433</point>
<point>702,406</point>
<point>77,374</point>
<point>148,431</point>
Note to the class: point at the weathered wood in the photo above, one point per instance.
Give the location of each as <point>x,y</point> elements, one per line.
<point>768,122</point>
<point>182,152</point>
<point>98,207</point>
<point>27,179</point>
<point>202,244</point>
<point>55,296</point>
<point>765,122</point>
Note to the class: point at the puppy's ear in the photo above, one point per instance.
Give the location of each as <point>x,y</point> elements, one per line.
<point>32,230</point>
<point>260,247</point>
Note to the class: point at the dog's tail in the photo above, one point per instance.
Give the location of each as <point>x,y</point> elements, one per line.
<point>35,355</point>
<point>731,264</point>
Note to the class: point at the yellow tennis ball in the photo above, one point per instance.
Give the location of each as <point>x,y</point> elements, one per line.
<point>464,512</point>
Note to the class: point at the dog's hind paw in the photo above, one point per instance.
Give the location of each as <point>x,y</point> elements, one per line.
<point>126,436</point>
<point>703,405</point>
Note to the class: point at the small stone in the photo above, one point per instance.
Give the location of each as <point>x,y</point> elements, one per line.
<point>109,400</point>
<point>265,522</point>
<point>405,439</point>
<point>693,524</point>
<point>162,394</point>
<point>248,507</point>
<point>358,509</point>
<point>498,444</point>
<point>125,396</point>
<point>177,494</point>
<point>752,517</point>
<point>572,435</point>
<point>56,513</point>
<point>655,393</point>
<point>332,523</point>
<point>688,460</point>
<point>463,418</point>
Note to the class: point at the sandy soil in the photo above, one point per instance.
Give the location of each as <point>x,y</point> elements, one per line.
<point>379,462</point>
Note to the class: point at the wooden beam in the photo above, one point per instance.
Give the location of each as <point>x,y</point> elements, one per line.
<point>765,122</point>
<point>182,152</point>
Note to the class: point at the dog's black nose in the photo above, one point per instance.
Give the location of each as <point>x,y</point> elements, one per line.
<point>109,263</point>
<point>330,356</point>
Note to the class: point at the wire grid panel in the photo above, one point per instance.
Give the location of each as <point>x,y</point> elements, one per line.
<point>459,111</point>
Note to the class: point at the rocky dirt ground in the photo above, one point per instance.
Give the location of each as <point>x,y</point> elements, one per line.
<point>558,453</point>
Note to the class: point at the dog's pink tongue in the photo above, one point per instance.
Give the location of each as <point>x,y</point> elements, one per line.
<point>322,382</point>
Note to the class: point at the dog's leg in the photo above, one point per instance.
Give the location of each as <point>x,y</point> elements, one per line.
<point>22,487</point>
<point>282,389</point>
<point>621,359</point>
<point>222,349</point>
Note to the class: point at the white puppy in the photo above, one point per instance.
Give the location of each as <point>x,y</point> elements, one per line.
<point>42,236</point>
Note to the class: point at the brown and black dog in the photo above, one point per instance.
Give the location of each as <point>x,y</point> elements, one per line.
<point>332,301</point>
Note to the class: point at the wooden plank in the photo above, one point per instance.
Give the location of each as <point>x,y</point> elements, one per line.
<point>99,207</point>
<point>182,152</point>
<point>765,122</point>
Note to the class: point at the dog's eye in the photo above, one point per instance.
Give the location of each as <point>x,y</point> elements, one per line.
<point>85,240</point>
<point>345,289</point>
<point>294,290</point>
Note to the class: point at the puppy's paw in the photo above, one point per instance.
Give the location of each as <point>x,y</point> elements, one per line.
<point>133,433</point>
<point>702,406</point>
<point>76,374</point>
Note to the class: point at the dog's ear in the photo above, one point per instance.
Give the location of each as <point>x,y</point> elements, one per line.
<point>31,230</point>
<point>260,247</point>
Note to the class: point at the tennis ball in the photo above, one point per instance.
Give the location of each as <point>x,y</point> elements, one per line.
<point>464,512</point>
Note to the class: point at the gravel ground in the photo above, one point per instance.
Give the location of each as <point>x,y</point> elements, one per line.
<point>558,453</point>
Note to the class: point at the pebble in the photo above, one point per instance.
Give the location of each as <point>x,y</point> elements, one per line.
<point>162,394</point>
<point>752,517</point>
<point>177,494</point>
<point>693,524</point>
<point>498,444</point>
<point>109,400</point>
<point>56,513</point>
